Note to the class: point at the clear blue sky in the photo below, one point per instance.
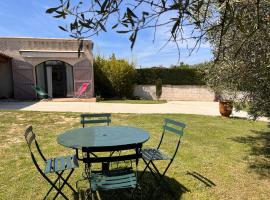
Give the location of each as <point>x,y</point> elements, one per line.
<point>28,18</point>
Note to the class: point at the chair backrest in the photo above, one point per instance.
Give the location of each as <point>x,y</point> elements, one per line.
<point>174,127</point>
<point>112,158</point>
<point>96,118</point>
<point>82,89</point>
<point>31,141</point>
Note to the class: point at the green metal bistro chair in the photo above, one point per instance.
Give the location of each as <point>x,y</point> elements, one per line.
<point>116,179</point>
<point>56,165</point>
<point>156,154</point>
<point>41,93</point>
<point>95,118</point>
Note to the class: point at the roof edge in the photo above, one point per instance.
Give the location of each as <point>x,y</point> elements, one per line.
<point>5,56</point>
<point>40,38</point>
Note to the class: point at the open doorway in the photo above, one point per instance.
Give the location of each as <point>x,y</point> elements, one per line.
<point>6,79</point>
<point>56,78</point>
<point>59,86</point>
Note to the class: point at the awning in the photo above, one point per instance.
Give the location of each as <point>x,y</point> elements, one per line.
<point>49,54</point>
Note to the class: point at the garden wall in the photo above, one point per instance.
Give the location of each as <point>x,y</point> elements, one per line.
<point>176,92</point>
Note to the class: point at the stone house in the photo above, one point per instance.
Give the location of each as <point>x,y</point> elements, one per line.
<point>52,64</point>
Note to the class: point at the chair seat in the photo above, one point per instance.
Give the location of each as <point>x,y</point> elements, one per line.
<point>154,154</point>
<point>113,180</point>
<point>61,163</point>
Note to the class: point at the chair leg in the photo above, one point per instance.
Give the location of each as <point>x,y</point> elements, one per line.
<point>64,183</point>
<point>53,184</point>
<point>67,183</point>
<point>137,188</point>
<point>147,166</point>
<point>161,179</point>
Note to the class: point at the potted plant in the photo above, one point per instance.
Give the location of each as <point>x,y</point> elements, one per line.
<point>225,105</point>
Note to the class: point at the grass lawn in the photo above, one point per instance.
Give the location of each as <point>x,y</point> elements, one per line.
<point>232,153</point>
<point>134,101</point>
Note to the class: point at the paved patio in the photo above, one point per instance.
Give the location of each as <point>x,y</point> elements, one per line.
<point>172,107</point>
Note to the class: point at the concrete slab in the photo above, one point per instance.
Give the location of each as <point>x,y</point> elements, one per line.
<point>172,107</point>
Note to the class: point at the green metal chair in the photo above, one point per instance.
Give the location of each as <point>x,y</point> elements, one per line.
<point>95,118</point>
<point>40,92</point>
<point>151,155</point>
<point>116,179</point>
<point>57,165</point>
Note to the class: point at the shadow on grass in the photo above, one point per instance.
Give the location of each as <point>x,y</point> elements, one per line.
<point>207,182</point>
<point>259,159</point>
<point>148,185</point>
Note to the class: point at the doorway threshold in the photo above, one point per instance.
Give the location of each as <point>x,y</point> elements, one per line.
<point>71,100</point>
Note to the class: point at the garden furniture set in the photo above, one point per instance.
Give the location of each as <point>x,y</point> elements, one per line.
<point>117,148</point>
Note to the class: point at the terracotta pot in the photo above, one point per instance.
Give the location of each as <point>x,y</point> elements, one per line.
<point>225,108</point>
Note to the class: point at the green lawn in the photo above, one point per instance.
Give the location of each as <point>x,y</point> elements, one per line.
<point>134,101</point>
<point>232,153</point>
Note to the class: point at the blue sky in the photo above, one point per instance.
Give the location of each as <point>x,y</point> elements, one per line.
<point>28,18</point>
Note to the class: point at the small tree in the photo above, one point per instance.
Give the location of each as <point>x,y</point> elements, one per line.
<point>114,77</point>
<point>158,88</point>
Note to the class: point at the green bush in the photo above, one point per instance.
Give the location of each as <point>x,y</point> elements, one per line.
<point>113,77</point>
<point>170,76</point>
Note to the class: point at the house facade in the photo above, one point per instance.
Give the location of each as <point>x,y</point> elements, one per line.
<point>51,64</point>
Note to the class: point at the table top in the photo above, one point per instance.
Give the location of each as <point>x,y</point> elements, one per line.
<point>102,136</point>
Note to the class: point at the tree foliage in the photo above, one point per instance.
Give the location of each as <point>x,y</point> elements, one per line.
<point>243,69</point>
<point>185,19</point>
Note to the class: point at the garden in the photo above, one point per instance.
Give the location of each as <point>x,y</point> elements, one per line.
<point>219,158</point>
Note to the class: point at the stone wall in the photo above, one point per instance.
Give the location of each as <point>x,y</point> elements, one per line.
<point>176,92</point>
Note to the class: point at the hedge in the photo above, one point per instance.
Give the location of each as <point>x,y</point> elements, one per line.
<point>113,77</point>
<point>169,76</point>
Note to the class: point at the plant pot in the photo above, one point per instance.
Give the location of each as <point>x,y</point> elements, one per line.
<point>225,108</point>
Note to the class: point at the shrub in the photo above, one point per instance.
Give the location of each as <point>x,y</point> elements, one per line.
<point>158,88</point>
<point>170,76</point>
<point>113,77</point>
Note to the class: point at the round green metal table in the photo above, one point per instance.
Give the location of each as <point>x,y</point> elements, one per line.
<point>97,137</point>
<point>103,138</point>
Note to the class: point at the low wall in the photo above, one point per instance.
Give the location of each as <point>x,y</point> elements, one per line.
<point>176,92</point>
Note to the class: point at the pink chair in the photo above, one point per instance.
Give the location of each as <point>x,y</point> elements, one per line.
<point>82,90</point>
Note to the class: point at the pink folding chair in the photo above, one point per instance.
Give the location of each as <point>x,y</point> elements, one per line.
<point>82,90</point>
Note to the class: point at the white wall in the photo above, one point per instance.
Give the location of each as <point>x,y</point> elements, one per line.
<point>176,92</point>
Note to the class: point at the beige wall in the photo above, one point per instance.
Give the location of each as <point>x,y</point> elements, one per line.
<point>176,92</point>
<point>6,87</point>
